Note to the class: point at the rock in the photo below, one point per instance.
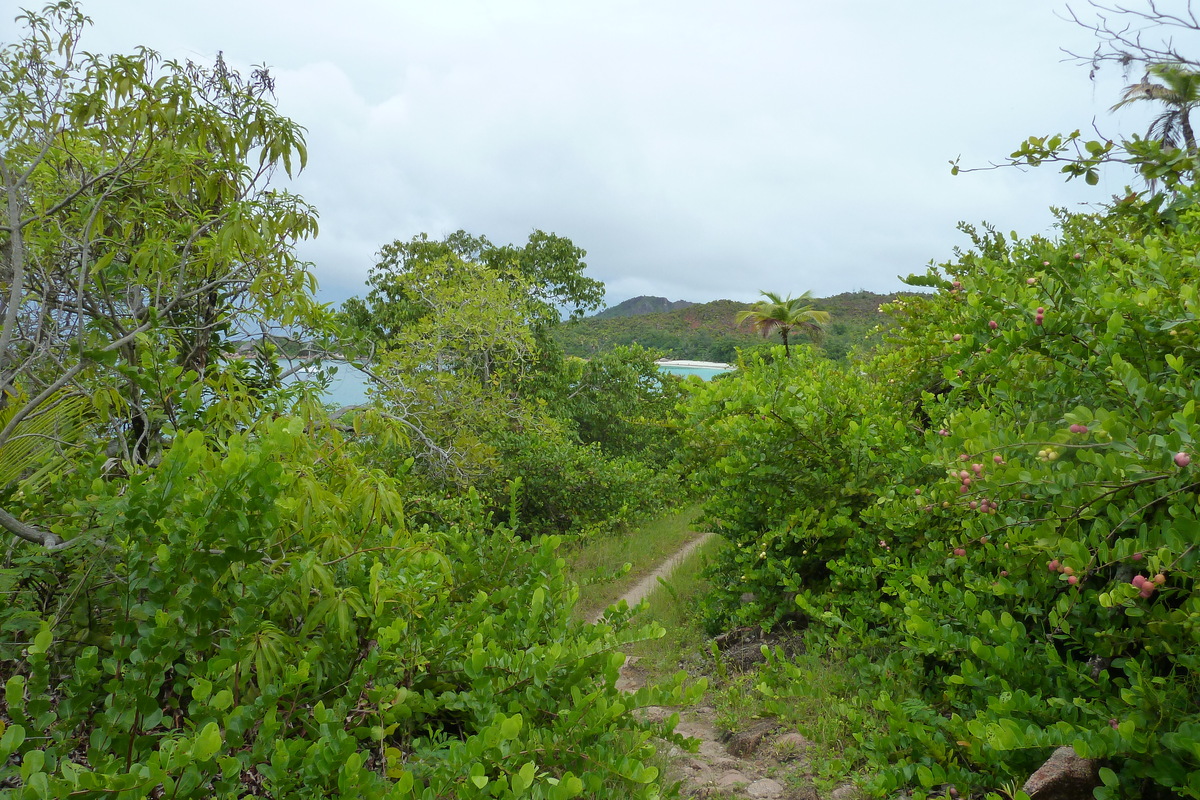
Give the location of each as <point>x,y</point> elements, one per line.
<point>847,791</point>
<point>732,779</point>
<point>656,713</point>
<point>805,791</point>
<point>1065,776</point>
<point>765,788</point>
<point>791,745</point>
<point>744,743</point>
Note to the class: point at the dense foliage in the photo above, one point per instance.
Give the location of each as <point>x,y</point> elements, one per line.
<point>999,511</point>
<point>212,589</point>
<point>457,334</point>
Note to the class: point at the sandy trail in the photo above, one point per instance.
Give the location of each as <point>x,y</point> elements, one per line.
<point>642,589</point>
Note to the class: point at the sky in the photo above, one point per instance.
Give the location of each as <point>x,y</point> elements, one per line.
<point>696,150</point>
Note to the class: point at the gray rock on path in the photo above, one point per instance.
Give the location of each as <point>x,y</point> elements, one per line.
<point>792,745</point>
<point>1065,776</point>
<point>732,780</point>
<point>744,743</point>
<point>765,789</point>
<point>847,791</point>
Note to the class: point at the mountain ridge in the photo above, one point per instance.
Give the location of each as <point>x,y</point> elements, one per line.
<point>709,331</point>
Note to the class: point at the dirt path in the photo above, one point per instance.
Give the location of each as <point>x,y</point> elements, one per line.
<point>642,589</point>
<point>762,761</point>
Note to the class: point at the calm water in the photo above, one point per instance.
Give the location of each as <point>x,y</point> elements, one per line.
<point>349,386</point>
<point>707,373</point>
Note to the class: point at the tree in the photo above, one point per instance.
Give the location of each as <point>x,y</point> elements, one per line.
<point>547,272</point>
<point>786,314</point>
<point>136,230</point>
<point>1179,91</point>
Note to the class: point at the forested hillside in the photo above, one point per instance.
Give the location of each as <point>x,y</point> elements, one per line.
<point>709,331</point>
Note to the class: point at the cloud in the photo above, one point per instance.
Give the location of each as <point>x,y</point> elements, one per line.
<point>696,150</point>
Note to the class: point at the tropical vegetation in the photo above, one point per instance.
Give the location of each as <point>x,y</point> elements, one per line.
<point>216,588</point>
<point>783,315</point>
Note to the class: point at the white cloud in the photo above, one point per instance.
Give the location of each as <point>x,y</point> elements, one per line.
<point>696,149</point>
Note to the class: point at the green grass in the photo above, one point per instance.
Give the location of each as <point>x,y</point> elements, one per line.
<point>598,563</point>
<point>675,605</point>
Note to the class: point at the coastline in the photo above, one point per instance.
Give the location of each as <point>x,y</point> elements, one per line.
<point>666,362</point>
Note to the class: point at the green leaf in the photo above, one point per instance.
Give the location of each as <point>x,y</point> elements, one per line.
<point>207,743</point>
<point>510,728</point>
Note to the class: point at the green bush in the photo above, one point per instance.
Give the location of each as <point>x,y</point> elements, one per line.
<point>258,618</point>
<point>1059,378</point>
<point>790,452</point>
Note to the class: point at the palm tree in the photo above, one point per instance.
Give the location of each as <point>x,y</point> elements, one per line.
<point>1179,91</point>
<point>786,314</point>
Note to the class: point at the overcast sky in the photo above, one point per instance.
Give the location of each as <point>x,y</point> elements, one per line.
<point>697,150</point>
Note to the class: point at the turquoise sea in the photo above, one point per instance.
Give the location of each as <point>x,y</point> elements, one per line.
<point>707,373</point>
<point>349,385</point>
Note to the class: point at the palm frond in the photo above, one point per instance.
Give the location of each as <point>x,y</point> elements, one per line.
<point>59,424</point>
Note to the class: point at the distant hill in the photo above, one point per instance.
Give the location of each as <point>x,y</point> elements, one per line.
<point>708,331</point>
<point>636,306</point>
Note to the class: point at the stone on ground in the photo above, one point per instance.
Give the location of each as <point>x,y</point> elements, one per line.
<point>1065,776</point>
<point>765,788</point>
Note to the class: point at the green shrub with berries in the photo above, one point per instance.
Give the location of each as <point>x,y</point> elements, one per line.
<point>1024,548</point>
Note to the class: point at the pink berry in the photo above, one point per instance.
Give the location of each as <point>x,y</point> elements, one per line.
<point>1071,579</point>
<point>1138,556</point>
<point>1160,579</point>
<point>963,475</point>
<point>916,491</point>
<point>1112,723</point>
<point>1078,255</point>
<point>999,459</point>
<point>1037,321</point>
<point>974,504</point>
<point>964,457</point>
<point>964,489</point>
<point>1045,263</point>
<point>1041,310</point>
<point>983,539</point>
<point>943,432</point>
<point>958,551</point>
<point>1138,581</point>
<point>977,467</point>
<point>1147,591</point>
<point>1052,565</point>
<point>1031,281</point>
<point>993,324</point>
<point>1182,459</point>
<point>957,337</point>
<point>1003,573</point>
